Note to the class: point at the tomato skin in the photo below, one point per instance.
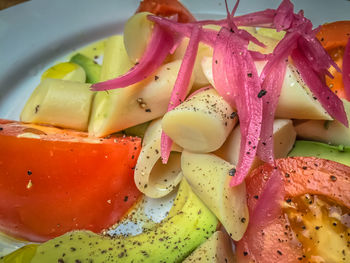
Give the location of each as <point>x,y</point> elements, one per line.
<point>50,186</point>
<point>166,8</point>
<point>334,37</point>
<point>274,241</point>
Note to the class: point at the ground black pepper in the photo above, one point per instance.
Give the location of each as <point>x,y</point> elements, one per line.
<point>262,93</point>
<point>232,172</point>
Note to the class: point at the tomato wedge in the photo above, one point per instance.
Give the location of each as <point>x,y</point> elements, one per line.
<point>270,238</point>
<point>53,181</point>
<point>166,8</point>
<point>334,37</point>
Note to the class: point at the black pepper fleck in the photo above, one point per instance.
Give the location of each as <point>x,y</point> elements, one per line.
<point>262,93</point>
<point>232,172</point>
<point>233,115</point>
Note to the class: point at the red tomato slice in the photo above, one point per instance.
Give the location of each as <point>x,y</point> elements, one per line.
<point>63,180</point>
<point>273,240</point>
<point>334,37</point>
<point>166,8</point>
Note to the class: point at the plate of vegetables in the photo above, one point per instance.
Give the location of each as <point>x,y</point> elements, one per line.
<point>178,132</point>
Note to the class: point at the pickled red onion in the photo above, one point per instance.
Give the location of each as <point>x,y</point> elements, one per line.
<point>284,16</point>
<point>281,52</point>
<point>329,101</point>
<point>158,48</point>
<point>263,212</point>
<point>319,59</point>
<point>269,204</point>
<point>236,80</point>
<point>208,37</point>
<point>261,18</point>
<point>180,89</point>
<point>270,92</point>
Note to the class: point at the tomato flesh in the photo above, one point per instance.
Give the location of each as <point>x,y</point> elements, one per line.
<point>63,180</point>
<point>334,37</point>
<point>336,83</point>
<point>273,239</point>
<point>317,220</point>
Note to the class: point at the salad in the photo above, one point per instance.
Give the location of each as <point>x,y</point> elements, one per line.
<point>212,111</point>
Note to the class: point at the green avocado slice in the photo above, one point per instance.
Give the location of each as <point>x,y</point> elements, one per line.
<point>340,154</point>
<point>189,224</point>
<point>91,68</point>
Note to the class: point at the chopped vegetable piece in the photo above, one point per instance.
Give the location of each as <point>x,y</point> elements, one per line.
<point>236,79</point>
<point>334,37</point>
<point>180,89</point>
<point>53,181</point>
<point>65,70</point>
<point>270,93</point>
<point>270,237</point>
<point>333,105</point>
<point>92,69</point>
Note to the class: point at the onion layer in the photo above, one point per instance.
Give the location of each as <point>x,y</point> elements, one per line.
<point>180,90</point>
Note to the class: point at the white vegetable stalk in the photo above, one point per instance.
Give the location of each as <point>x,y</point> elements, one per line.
<point>201,123</point>
<point>61,103</point>
<point>283,136</point>
<point>216,249</point>
<point>137,33</point>
<point>138,103</point>
<point>209,177</point>
<point>152,177</point>
<point>203,50</point>
<point>332,132</point>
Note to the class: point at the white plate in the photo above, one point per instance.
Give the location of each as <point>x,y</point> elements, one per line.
<point>35,34</point>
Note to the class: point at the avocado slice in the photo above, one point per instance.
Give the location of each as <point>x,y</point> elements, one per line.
<point>340,154</point>
<point>189,224</point>
<point>218,248</point>
<point>92,69</point>
<point>138,130</point>
<point>21,255</point>
<point>227,203</point>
